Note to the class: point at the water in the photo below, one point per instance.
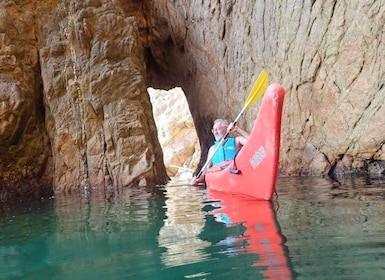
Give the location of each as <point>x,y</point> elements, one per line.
<point>313,229</point>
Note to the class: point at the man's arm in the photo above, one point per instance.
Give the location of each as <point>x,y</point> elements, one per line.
<point>242,139</point>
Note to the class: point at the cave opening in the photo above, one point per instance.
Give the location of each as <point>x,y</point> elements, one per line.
<point>176,131</point>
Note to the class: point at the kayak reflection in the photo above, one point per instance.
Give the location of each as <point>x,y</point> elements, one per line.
<point>262,234</point>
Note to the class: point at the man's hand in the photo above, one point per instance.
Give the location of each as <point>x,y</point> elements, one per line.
<point>197,181</point>
<point>231,127</point>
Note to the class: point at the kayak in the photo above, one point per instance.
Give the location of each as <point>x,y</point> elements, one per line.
<point>262,233</point>
<point>254,170</point>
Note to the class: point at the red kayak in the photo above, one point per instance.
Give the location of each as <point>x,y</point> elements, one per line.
<point>254,170</point>
<point>262,232</point>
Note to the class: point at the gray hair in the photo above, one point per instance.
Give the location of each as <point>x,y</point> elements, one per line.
<point>223,121</point>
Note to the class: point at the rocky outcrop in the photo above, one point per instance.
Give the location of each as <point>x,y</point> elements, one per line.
<point>84,60</point>
<point>24,150</point>
<point>98,112</point>
<point>74,108</point>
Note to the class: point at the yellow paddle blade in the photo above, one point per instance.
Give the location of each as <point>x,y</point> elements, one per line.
<point>258,89</point>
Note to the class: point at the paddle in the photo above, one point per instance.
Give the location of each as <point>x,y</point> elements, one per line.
<point>255,93</point>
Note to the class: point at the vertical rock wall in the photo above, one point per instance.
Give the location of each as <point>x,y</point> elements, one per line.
<point>24,149</point>
<point>75,112</point>
<point>98,112</point>
<point>330,59</point>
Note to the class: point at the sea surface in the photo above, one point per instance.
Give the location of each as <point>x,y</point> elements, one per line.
<point>314,228</point>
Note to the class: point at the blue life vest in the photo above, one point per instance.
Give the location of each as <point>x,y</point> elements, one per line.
<point>225,152</point>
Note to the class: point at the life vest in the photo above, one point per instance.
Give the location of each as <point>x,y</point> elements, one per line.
<point>225,152</point>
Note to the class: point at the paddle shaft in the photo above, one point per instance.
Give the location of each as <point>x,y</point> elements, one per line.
<point>182,168</point>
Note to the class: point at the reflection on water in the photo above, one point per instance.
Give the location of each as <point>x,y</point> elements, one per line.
<point>180,232</point>
<point>313,229</point>
<point>334,230</point>
<point>261,235</point>
<point>222,235</point>
<point>254,231</point>
<point>76,237</point>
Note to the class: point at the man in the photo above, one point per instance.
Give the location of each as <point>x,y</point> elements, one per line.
<point>228,149</point>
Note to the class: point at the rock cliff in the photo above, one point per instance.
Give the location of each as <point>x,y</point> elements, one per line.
<point>75,113</point>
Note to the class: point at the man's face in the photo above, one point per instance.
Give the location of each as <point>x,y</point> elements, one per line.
<point>219,130</point>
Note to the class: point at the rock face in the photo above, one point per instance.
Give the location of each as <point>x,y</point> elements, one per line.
<point>24,150</point>
<point>84,60</point>
<point>74,108</point>
<point>98,113</point>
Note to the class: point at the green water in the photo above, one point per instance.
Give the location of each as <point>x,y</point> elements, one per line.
<point>327,231</point>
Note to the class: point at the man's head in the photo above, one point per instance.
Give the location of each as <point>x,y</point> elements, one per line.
<point>219,128</point>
